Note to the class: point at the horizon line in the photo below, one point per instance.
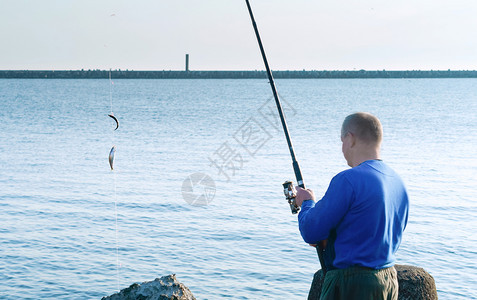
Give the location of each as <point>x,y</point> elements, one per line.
<point>256,70</point>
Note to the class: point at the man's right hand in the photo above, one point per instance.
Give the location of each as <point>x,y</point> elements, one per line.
<point>302,195</point>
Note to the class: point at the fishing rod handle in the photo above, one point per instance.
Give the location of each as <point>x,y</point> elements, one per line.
<point>299,177</point>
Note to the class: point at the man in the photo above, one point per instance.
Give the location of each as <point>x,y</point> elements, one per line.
<point>362,215</point>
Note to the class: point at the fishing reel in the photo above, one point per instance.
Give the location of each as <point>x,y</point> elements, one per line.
<point>290,194</point>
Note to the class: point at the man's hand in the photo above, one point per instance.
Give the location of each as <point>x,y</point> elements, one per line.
<point>302,195</point>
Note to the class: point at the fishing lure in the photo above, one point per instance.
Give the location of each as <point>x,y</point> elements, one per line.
<point>111,157</point>
<point>116,120</point>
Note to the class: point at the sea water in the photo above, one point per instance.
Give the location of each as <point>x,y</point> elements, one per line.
<point>217,143</point>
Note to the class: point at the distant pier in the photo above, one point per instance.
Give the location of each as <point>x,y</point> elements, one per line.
<point>127,74</point>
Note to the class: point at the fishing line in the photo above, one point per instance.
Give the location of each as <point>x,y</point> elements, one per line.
<point>111,161</point>
<point>116,230</point>
<point>110,91</point>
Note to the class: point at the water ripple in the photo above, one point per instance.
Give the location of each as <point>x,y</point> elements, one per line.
<point>58,196</point>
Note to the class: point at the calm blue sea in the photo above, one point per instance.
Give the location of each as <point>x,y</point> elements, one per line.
<point>217,143</point>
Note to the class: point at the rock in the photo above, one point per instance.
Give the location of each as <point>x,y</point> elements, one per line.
<point>414,284</point>
<point>316,284</point>
<point>164,288</point>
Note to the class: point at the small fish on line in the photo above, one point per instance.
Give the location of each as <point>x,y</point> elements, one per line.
<point>116,120</point>
<point>111,157</point>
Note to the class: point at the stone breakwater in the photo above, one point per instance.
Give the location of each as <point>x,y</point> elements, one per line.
<point>414,284</point>
<point>164,288</point>
<point>128,74</point>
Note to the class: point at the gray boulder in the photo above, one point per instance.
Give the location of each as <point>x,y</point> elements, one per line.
<point>414,284</point>
<point>164,288</point>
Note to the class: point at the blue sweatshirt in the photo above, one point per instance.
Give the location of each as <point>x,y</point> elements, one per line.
<point>362,214</point>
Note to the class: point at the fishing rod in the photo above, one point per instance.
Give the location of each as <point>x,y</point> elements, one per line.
<point>289,190</point>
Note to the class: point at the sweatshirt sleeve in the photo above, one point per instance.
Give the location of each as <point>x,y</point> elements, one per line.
<point>316,220</point>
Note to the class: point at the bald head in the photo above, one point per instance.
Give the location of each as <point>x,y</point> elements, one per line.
<point>365,127</point>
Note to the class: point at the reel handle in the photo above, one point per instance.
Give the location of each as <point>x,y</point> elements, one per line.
<point>290,194</point>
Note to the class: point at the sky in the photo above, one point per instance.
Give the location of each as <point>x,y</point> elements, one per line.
<point>218,34</point>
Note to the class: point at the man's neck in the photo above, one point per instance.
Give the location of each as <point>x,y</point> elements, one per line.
<point>372,154</point>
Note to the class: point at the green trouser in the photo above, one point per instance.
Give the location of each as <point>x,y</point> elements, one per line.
<point>361,284</point>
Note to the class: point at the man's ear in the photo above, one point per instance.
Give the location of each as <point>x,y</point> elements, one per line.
<point>352,141</point>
